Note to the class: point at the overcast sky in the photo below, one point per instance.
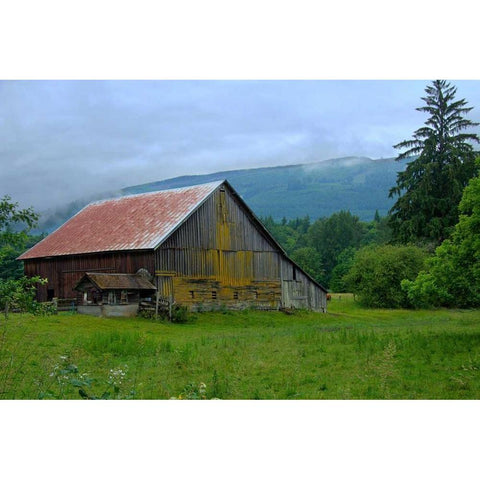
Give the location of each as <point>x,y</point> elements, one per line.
<point>63,140</point>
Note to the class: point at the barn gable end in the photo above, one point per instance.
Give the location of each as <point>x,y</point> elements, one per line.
<point>223,256</point>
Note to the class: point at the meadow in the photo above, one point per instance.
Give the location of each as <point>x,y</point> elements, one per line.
<point>349,353</point>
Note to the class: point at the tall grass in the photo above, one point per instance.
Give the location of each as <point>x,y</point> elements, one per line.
<point>350,352</point>
<point>120,344</point>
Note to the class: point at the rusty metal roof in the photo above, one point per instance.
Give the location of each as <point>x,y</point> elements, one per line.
<point>117,281</point>
<point>134,222</point>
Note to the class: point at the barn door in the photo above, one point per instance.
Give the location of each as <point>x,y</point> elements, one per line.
<point>293,294</point>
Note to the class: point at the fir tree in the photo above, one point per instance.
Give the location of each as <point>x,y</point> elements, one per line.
<point>431,186</point>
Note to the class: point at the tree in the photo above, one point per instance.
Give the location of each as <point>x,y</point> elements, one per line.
<point>10,267</point>
<point>377,272</point>
<point>330,236</point>
<point>309,259</point>
<point>341,269</point>
<point>15,224</point>
<point>377,232</point>
<point>452,276</point>
<point>290,235</point>
<point>431,186</point>
<point>11,215</point>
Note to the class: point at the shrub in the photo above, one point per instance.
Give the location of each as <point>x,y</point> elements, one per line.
<point>377,272</point>
<point>20,295</point>
<point>179,314</point>
<point>452,275</point>
<point>148,314</point>
<point>43,309</point>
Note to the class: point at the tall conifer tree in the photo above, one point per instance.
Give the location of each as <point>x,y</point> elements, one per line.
<point>431,186</point>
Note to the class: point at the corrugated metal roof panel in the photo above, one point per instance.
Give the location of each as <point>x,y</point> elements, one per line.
<point>135,222</point>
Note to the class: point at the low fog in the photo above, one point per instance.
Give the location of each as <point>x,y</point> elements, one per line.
<point>65,140</point>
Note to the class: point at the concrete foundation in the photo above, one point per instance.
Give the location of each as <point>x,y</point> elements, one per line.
<point>109,310</point>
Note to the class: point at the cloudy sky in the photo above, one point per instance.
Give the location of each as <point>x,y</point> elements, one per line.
<point>63,140</point>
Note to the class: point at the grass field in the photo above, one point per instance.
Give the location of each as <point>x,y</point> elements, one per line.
<point>349,353</point>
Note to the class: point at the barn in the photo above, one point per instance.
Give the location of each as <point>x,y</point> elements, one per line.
<point>199,246</point>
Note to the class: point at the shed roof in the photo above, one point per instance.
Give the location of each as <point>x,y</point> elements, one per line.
<point>117,281</point>
<point>134,222</point>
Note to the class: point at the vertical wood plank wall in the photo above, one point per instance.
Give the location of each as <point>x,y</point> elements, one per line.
<point>63,273</point>
<point>220,257</point>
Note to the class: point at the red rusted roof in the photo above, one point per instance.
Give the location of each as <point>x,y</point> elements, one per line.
<point>135,222</point>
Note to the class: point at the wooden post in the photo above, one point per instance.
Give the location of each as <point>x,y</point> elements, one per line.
<point>156,303</point>
<point>170,299</point>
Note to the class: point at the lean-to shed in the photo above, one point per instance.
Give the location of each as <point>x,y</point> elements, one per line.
<point>202,245</point>
<point>113,294</point>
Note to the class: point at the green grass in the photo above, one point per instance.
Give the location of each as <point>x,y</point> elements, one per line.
<point>349,353</point>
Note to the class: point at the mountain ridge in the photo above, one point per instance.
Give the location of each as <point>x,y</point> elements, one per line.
<point>316,189</point>
<point>224,173</point>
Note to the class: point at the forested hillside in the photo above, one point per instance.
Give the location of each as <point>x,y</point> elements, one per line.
<point>357,184</point>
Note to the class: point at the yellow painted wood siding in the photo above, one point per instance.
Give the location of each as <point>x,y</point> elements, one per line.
<point>221,257</point>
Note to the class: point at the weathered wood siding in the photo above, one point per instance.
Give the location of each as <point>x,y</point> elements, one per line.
<point>220,257</point>
<point>298,291</point>
<point>63,273</point>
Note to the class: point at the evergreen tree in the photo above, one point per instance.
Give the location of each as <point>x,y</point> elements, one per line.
<point>431,186</point>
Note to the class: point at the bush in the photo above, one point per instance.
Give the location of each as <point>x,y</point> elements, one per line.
<point>20,295</point>
<point>452,275</point>
<point>377,272</point>
<point>148,314</point>
<point>43,309</point>
<point>179,314</point>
